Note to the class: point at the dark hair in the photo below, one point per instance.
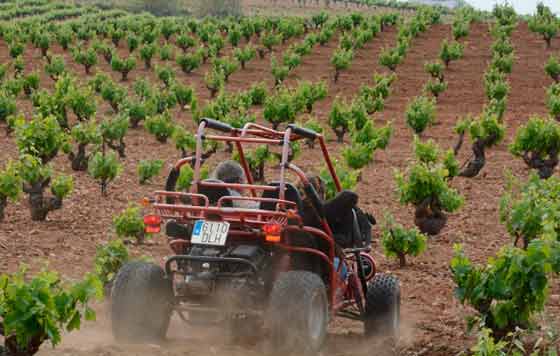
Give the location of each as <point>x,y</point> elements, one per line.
<point>229,172</point>
<point>317,183</point>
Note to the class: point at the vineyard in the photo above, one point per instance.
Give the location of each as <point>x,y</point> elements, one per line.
<point>446,124</point>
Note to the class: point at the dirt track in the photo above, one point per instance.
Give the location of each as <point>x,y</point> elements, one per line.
<point>95,339</point>
<point>433,319</point>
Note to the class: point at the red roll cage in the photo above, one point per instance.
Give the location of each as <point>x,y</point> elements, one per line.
<point>251,133</point>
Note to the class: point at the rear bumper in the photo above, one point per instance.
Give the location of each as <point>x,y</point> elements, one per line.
<point>215,260</point>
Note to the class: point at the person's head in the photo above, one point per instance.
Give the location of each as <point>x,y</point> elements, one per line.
<point>317,183</point>
<point>229,172</point>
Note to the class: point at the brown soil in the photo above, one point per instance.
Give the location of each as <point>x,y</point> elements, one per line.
<point>433,319</point>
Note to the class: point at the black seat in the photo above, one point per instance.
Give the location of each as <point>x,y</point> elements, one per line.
<point>215,193</point>
<point>291,194</point>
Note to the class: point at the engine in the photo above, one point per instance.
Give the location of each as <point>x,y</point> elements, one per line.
<point>224,280</point>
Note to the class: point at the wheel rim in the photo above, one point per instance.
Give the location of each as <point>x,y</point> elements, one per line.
<point>316,320</point>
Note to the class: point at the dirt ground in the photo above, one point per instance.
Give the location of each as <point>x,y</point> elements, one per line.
<point>433,320</point>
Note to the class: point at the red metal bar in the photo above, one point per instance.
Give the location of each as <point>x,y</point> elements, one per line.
<point>245,166</point>
<point>330,241</point>
<point>317,232</point>
<point>260,129</point>
<point>263,131</point>
<point>324,236</point>
<point>326,226</point>
<point>178,195</point>
<point>185,213</point>
<point>269,200</point>
<point>312,251</point>
<point>330,165</point>
<point>219,211</point>
<point>303,177</point>
<point>180,163</point>
<point>198,157</point>
<point>237,186</point>
<point>283,163</point>
<point>186,217</point>
<point>268,141</point>
<point>298,172</point>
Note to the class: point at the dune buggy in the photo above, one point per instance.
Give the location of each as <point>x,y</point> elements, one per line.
<point>260,270</point>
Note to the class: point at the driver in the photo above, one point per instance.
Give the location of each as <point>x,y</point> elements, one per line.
<point>231,172</point>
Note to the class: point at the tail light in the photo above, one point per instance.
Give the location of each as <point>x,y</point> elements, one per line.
<point>272,232</point>
<point>152,224</point>
<point>145,202</point>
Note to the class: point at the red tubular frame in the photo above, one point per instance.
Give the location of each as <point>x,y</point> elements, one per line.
<point>268,141</point>
<point>184,212</point>
<point>180,163</point>
<point>198,156</point>
<point>246,167</point>
<point>237,186</point>
<point>255,134</point>
<point>329,163</point>
<point>333,278</point>
<point>264,135</point>
<point>260,200</point>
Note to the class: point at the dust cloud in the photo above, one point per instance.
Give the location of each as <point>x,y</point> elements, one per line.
<point>95,339</point>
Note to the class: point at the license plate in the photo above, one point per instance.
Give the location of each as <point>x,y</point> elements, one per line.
<point>210,233</point>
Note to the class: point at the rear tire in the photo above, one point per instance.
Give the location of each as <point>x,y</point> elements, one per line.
<point>383,304</point>
<point>141,303</point>
<point>298,314</point>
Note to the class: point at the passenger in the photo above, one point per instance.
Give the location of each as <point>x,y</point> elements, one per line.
<point>339,212</point>
<point>310,217</point>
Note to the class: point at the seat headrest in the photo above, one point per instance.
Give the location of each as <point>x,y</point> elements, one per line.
<point>345,199</point>
<point>214,193</point>
<point>291,194</point>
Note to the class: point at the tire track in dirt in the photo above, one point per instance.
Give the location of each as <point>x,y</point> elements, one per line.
<point>95,339</point>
